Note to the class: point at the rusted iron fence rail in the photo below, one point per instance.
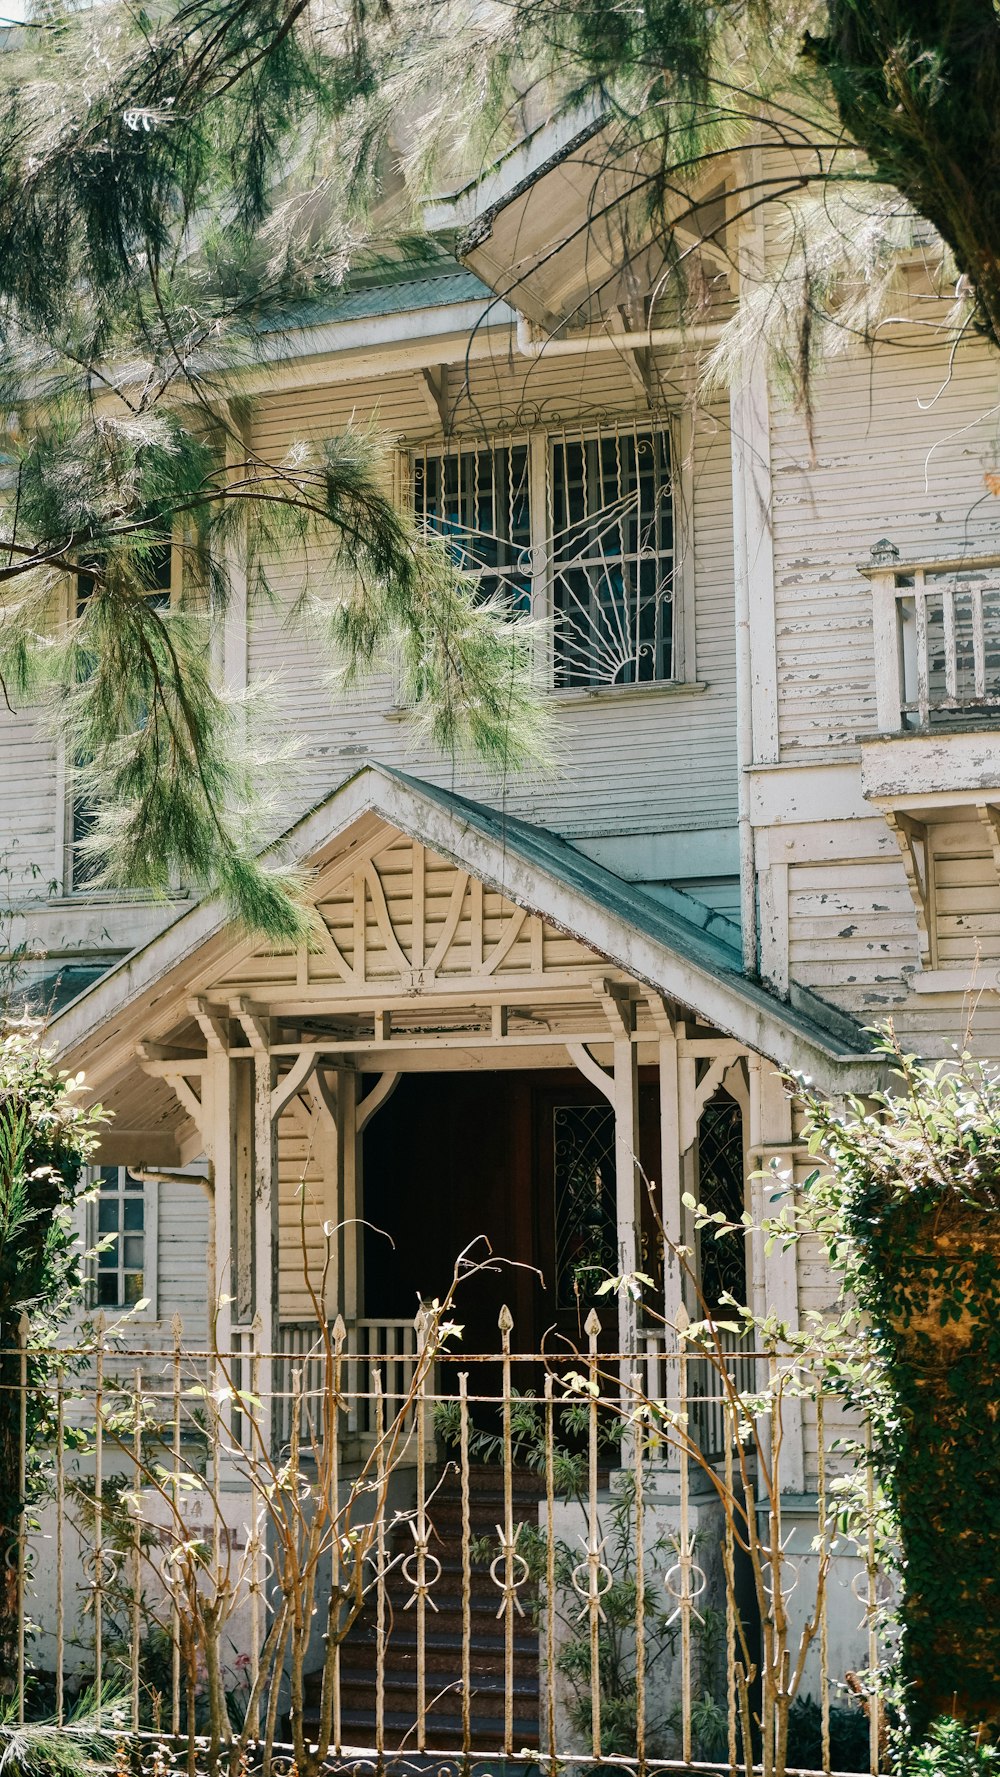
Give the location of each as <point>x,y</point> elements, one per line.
<point>548,1560</point>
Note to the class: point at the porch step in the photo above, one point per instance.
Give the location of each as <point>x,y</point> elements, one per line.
<point>443,1633</point>
<point>443,1653</point>
<point>444,1733</point>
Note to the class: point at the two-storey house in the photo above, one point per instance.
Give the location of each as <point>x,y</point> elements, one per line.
<point>772,816</point>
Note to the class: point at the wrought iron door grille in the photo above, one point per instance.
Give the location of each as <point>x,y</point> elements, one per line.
<point>721,1187</point>
<point>612,558</point>
<point>583,1139</point>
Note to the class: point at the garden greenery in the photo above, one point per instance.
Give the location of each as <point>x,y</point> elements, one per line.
<point>46,1138</point>
<point>910,1208</point>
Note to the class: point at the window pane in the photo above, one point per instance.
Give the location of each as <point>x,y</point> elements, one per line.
<point>477,501</point>
<point>107,1215</point>
<point>133,1290</point>
<point>108,1259</point>
<point>133,1250</point>
<point>107,1291</point>
<point>133,1209</point>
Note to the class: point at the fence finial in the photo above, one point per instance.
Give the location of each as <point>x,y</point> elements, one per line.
<point>338,1331</point>
<point>592,1324</point>
<point>505,1320</point>
<point>682,1319</point>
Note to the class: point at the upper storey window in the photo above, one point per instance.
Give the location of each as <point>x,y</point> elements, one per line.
<point>612,558</point>
<point>477,501</point>
<point>577,527</point>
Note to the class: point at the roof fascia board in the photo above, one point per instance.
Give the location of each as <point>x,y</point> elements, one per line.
<point>520,167</point>
<point>365,332</point>
<point>480,342</point>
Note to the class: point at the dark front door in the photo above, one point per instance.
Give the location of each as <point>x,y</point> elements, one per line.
<point>523,1161</point>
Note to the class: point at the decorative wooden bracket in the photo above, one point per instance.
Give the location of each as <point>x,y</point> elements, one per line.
<point>619,1008</point>
<point>373,1101</point>
<point>911,837</point>
<point>591,1070</point>
<point>692,1104</point>
<point>434,389</point>
<point>291,1084</point>
<point>213,1025</point>
<point>254,1022</point>
<point>989,814</point>
<point>638,363</point>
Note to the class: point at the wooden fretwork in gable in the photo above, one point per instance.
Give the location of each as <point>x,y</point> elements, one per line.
<point>405,920</point>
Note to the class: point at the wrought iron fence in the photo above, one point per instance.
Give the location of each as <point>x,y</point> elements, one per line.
<point>540,1559</point>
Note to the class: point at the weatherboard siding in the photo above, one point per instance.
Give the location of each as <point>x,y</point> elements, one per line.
<point>900,442</point>
<point>637,762</point>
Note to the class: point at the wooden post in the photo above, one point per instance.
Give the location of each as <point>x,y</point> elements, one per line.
<point>223,1151</point>
<point>627,1181</point>
<point>265,1217</point>
<point>889,691</point>
<point>351,1282</point>
<point>775,1281</point>
<point>670,1178</point>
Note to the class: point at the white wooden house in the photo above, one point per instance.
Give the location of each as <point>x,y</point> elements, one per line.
<point>773,817</point>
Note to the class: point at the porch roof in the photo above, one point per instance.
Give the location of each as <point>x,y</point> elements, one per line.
<point>676,947</point>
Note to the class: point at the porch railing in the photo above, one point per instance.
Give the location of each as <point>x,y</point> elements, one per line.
<point>706,1405</point>
<point>464,1560</point>
<point>388,1345</point>
<point>937,643</point>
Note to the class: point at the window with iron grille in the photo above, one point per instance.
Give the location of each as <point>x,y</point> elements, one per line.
<point>577,526</point>
<point>81,869</point>
<point>612,558</point>
<point>122,1239</point>
<point>476,501</point>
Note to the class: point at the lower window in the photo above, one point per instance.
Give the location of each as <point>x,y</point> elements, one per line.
<point>122,1238</point>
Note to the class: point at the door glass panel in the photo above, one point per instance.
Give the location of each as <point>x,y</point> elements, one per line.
<point>583,1139</point>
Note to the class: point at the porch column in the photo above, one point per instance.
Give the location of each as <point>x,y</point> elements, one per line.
<point>222,1148</point>
<point>775,1275</point>
<point>628,1179</point>
<point>349,1282</point>
<point>263,1205</point>
<point>671,1184</point>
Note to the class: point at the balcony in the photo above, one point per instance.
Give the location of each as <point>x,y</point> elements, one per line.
<point>937,645</point>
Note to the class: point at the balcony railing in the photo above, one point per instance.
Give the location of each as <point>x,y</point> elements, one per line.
<point>937,644</point>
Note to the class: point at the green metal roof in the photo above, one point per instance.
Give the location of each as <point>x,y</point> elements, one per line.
<point>364,301</point>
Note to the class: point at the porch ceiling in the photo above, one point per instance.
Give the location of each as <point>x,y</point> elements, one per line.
<point>446,929</point>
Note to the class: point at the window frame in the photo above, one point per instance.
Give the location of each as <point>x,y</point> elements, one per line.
<point>150,1196</point>
<point>540,442</point>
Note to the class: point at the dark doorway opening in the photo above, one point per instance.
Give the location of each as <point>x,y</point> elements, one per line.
<point>525,1159</point>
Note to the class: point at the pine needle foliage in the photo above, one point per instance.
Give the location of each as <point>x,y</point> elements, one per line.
<point>178,185</point>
